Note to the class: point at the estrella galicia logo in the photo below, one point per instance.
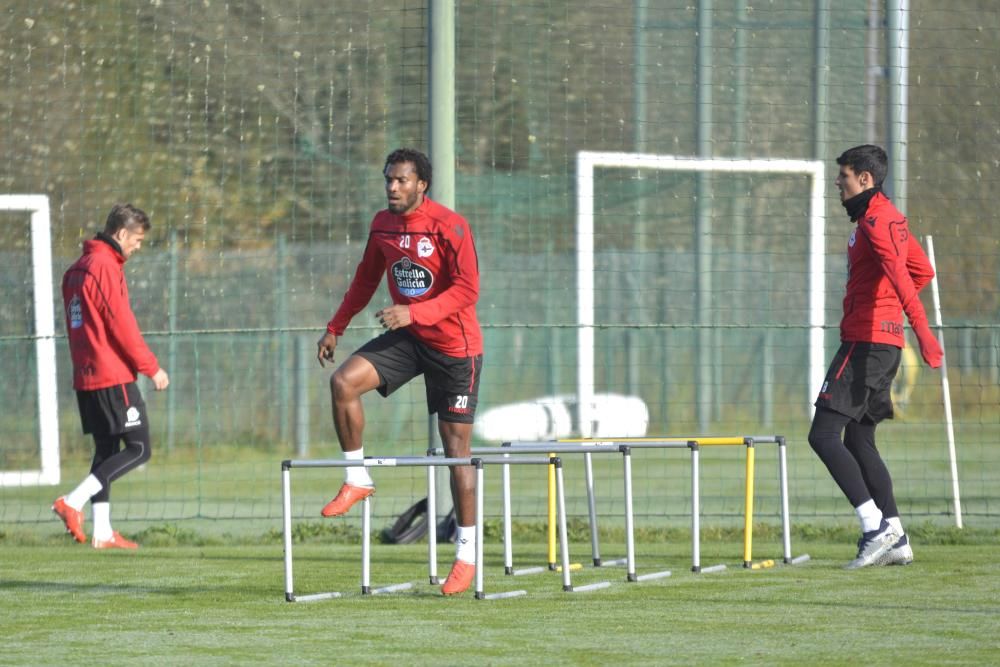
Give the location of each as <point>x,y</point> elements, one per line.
<point>411,279</point>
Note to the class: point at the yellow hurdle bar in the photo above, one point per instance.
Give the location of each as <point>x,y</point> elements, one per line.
<point>702,442</point>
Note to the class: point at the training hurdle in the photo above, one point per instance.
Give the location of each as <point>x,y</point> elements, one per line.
<point>587,447</point>
<point>408,461</point>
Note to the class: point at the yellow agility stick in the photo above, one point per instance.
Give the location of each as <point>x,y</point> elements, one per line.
<point>552,515</point>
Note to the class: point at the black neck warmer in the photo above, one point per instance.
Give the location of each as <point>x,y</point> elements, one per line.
<point>858,204</point>
<point>101,236</point>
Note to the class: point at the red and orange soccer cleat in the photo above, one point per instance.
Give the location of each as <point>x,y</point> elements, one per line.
<point>459,579</point>
<point>116,542</point>
<point>345,499</point>
<point>73,518</point>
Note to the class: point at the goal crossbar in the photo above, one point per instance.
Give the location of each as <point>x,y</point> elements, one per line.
<point>588,161</point>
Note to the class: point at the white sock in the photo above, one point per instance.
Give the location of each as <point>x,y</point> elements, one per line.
<point>102,520</point>
<point>357,476</point>
<point>79,496</point>
<point>897,524</point>
<point>870,515</point>
<point>465,544</point>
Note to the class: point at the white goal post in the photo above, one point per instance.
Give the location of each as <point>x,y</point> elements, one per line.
<point>588,161</point>
<point>45,345</point>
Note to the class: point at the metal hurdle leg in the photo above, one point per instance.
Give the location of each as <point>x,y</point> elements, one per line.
<point>695,511</point>
<point>366,524</point>
<point>286,517</point>
<point>432,564</point>
<point>508,538</point>
<point>786,523</point>
<point>505,463</point>
<point>286,510</point>
<point>595,549</point>
<point>480,595</point>
<point>563,538</point>
<point>630,525</point>
<point>629,517</point>
<point>696,514</point>
<point>479,528</point>
<point>786,539</point>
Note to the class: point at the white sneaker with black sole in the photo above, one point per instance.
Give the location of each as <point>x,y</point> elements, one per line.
<point>900,554</point>
<point>873,545</point>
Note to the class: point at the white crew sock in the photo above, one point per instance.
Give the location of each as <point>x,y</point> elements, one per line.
<point>357,476</point>
<point>465,544</point>
<point>102,520</point>
<point>870,515</point>
<point>897,524</point>
<point>79,496</point>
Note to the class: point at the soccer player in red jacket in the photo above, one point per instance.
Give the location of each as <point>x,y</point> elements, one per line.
<point>428,256</point>
<point>887,268</point>
<point>108,351</point>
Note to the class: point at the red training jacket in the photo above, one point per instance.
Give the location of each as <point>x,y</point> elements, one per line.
<point>104,339</point>
<point>430,262</point>
<point>886,269</point>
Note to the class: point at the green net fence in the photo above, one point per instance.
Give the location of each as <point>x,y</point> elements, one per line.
<point>254,135</point>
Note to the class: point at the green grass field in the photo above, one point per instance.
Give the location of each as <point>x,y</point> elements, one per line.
<point>177,601</point>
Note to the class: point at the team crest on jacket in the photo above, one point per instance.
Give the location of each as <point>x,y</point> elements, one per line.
<point>850,242</point>
<point>424,247</point>
<point>75,312</point>
<point>411,279</point>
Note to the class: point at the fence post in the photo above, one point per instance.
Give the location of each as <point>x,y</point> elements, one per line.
<point>302,350</point>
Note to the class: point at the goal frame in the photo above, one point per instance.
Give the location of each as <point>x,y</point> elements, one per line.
<point>45,346</point>
<point>587,162</point>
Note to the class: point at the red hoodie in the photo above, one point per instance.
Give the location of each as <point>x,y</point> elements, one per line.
<point>104,339</point>
<point>430,263</point>
<point>886,269</point>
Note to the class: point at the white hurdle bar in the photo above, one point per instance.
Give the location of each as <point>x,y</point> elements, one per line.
<point>431,462</point>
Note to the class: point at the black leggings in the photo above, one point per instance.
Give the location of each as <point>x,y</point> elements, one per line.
<point>854,461</point>
<point>111,462</point>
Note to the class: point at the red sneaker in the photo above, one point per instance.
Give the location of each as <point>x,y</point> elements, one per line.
<point>73,518</point>
<point>116,542</point>
<point>346,497</point>
<point>459,579</point>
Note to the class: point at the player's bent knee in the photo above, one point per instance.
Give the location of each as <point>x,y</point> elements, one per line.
<point>341,388</point>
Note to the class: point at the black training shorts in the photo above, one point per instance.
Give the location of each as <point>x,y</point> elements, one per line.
<point>859,381</point>
<point>113,410</point>
<point>452,383</point>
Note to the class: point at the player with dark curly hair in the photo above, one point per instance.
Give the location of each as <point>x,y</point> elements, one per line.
<point>428,256</point>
